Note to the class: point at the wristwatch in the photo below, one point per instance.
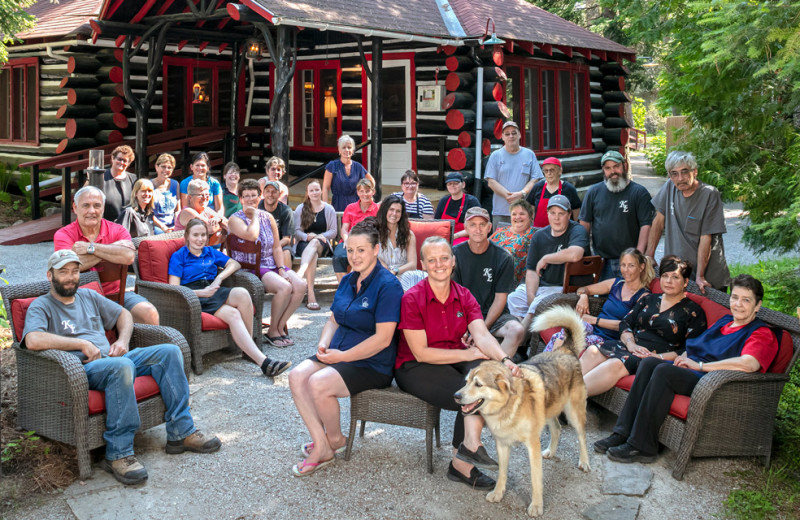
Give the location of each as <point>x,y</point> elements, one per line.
<point>395,270</point>
<point>90,249</point>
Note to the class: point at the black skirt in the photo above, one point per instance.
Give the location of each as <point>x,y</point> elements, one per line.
<point>214,302</point>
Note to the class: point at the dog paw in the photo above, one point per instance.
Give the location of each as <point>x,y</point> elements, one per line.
<point>546,454</point>
<point>584,466</point>
<point>494,496</point>
<point>535,509</point>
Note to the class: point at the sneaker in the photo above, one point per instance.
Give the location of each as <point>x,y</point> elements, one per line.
<point>196,442</point>
<point>127,470</point>
<point>626,453</point>
<point>611,441</point>
<point>477,458</point>
<point>476,479</point>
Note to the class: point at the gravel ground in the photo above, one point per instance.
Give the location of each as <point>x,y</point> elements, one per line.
<point>250,477</point>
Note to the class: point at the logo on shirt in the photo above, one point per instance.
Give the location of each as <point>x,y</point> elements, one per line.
<point>459,314</point>
<point>560,247</point>
<point>68,325</point>
<point>672,208</point>
<point>487,273</point>
<point>623,204</point>
<point>365,303</point>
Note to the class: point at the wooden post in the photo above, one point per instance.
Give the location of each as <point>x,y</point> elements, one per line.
<point>284,57</point>
<point>66,196</point>
<point>376,149</point>
<point>35,203</point>
<point>236,71</point>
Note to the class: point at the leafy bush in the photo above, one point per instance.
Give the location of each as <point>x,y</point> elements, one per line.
<point>749,505</point>
<point>656,152</point>
<point>639,113</point>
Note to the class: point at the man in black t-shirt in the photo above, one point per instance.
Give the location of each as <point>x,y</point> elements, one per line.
<point>282,215</point>
<point>455,206</point>
<point>562,241</point>
<point>487,270</point>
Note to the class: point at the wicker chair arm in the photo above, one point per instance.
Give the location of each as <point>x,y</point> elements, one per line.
<point>570,300</point>
<point>164,293</point>
<point>713,382</point>
<point>149,335</point>
<point>47,364</point>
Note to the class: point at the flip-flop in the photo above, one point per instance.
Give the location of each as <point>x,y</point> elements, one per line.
<point>297,469</point>
<point>312,306</point>
<point>276,341</point>
<point>306,448</point>
<point>287,340</point>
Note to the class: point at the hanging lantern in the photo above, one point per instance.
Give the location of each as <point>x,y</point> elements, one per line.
<point>253,49</point>
<point>199,94</point>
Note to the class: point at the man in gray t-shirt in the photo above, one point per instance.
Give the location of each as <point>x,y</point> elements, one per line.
<point>511,173</point>
<point>74,320</point>
<point>690,214</point>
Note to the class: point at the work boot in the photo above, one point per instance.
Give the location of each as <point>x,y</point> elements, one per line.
<point>127,470</point>
<point>196,442</point>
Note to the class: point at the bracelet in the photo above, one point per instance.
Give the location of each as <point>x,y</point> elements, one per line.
<point>661,356</point>
<point>504,359</point>
<point>597,321</point>
<point>701,367</point>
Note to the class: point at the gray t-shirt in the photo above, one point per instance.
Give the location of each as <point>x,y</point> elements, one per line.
<point>544,243</point>
<point>513,171</point>
<point>87,318</point>
<point>686,219</point>
<point>616,218</point>
<point>486,274</point>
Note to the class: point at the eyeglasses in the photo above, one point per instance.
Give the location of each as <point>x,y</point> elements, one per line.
<point>680,173</point>
<point>204,195</point>
<point>123,160</point>
<point>409,184</point>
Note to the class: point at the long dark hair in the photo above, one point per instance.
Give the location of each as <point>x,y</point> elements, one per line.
<point>403,228</point>
<point>307,215</point>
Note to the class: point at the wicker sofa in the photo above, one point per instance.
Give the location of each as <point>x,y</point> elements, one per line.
<point>179,307</point>
<point>730,413</point>
<point>53,396</point>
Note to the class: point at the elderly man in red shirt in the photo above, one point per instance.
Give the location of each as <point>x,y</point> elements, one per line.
<point>97,240</point>
<point>444,336</point>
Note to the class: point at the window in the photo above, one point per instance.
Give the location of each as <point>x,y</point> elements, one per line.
<point>196,93</point>
<point>314,105</point>
<point>19,101</point>
<point>550,102</point>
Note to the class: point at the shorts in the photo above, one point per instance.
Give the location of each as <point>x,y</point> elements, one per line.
<point>326,248</point>
<point>213,303</point>
<point>500,321</point>
<point>263,270</point>
<point>132,300</point>
<point>357,379</point>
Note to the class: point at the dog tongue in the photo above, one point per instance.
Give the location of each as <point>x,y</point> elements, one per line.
<point>468,407</point>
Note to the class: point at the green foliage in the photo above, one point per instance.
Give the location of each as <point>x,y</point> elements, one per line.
<point>639,112</point>
<point>749,505</point>
<point>13,20</point>
<point>656,153</point>
<point>21,447</point>
<point>5,176</point>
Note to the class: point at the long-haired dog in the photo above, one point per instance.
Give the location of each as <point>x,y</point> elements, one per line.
<point>516,409</point>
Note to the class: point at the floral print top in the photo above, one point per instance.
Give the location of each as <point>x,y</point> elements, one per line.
<point>664,331</point>
<point>517,245</point>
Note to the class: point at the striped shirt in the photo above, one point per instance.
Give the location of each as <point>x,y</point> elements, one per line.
<point>418,208</point>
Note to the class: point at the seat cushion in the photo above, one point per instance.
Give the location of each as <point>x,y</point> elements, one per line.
<point>427,228</point>
<point>19,309</point>
<point>143,386</point>
<point>680,404</point>
<point>154,258</point>
<point>547,334</point>
<point>211,322</point>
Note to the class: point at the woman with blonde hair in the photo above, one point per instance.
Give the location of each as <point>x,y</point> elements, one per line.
<point>166,199</point>
<point>276,169</point>
<point>137,217</point>
<point>314,228</point>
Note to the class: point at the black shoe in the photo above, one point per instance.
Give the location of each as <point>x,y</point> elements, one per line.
<point>612,441</point>
<point>626,453</point>
<point>477,458</point>
<point>476,479</point>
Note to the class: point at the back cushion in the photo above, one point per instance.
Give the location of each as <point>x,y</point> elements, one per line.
<point>785,351</point>
<point>714,311</point>
<point>19,308</point>
<point>154,259</point>
<point>427,228</point>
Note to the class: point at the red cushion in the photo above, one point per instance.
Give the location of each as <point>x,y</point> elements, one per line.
<point>655,286</point>
<point>784,356</point>
<point>625,383</point>
<point>19,308</point>
<point>680,404</point>
<point>547,334</point>
<point>154,259</point>
<point>143,386</point>
<point>427,228</point>
<point>714,311</point>
<point>211,322</point>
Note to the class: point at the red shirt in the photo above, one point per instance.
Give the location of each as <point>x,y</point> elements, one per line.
<point>761,344</point>
<point>444,323</point>
<point>353,215</point>
<point>109,233</point>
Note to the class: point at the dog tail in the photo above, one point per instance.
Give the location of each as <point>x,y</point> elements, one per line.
<point>566,317</point>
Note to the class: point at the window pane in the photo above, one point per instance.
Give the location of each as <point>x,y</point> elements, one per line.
<point>18,88</point>
<point>564,112</point>
<point>224,97</point>
<point>548,110</point>
<point>532,102</point>
<point>176,97</point>
<point>579,112</point>
<point>30,99</point>
<point>201,111</point>
<point>394,94</point>
<point>329,114</point>
<point>307,113</point>
<point>5,104</point>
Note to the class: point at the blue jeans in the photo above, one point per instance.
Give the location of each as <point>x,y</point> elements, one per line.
<point>115,375</point>
<point>610,269</point>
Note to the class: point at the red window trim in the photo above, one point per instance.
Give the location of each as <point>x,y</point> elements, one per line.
<point>540,65</point>
<point>24,63</point>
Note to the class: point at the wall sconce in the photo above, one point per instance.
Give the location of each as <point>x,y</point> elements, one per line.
<point>329,109</point>
<point>199,94</point>
<point>253,49</point>
<point>493,40</point>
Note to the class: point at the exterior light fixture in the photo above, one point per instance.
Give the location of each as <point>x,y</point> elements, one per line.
<point>493,40</point>
<point>253,49</point>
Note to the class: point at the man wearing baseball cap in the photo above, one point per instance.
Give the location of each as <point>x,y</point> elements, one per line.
<point>487,270</point>
<point>454,206</point>
<point>551,185</point>
<point>511,173</point>
<point>617,212</point>
<point>562,241</point>
<point>283,215</point>
<point>75,320</point>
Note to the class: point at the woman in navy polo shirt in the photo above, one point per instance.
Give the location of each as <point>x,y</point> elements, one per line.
<point>196,266</point>
<point>356,349</point>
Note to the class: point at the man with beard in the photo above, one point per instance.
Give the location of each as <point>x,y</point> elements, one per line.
<point>617,213</point>
<point>74,320</point>
<point>692,214</point>
<point>282,215</point>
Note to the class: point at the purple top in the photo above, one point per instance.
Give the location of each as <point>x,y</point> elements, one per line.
<point>264,235</point>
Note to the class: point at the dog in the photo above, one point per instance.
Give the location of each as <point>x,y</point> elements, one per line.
<point>516,409</point>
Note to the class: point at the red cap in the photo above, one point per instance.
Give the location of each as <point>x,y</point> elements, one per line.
<point>552,160</point>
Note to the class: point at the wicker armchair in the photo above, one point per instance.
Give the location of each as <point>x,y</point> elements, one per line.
<point>52,388</point>
<point>730,413</point>
<point>179,307</point>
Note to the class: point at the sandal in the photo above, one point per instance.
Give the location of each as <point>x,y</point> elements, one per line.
<point>306,449</point>
<point>287,341</point>
<point>297,469</point>
<point>312,306</point>
<point>276,341</point>
<point>274,368</point>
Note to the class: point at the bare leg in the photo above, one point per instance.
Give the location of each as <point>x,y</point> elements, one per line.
<point>299,287</point>
<point>145,312</point>
<point>512,334</point>
<point>603,377</point>
<point>242,336</point>
<point>326,387</point>
<point>591,358</point>
<point>309,261</point>
<point>304,401</point>
<point>282,294</point>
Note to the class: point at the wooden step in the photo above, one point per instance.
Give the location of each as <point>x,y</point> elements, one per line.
<point>31,232</point>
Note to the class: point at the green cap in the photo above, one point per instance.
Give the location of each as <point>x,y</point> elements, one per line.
<point>612,156</point>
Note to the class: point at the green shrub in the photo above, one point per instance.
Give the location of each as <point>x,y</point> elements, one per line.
<point>749,505</point>
<point>656,152</point>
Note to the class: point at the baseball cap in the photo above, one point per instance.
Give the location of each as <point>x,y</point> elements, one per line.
<point>454,177</point>
<point>274,184</point>
<point>612,156</point>
<point>561,201</point>
<point>477,211</point>
<point>510,123</point>
<point>552,160</point>
<point>61,258</point>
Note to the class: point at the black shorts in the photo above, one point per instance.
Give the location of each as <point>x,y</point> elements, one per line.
<point>301,246</point>
<point>357,379</point>
<point>213,303</point>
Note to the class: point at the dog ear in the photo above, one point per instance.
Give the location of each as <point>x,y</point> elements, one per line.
<point>503,379</point>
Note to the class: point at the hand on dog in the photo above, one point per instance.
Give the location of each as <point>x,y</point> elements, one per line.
<point>515,370</point>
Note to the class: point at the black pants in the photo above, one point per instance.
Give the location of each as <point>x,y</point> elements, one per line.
<point>436,384</point>
<point>656,384</point>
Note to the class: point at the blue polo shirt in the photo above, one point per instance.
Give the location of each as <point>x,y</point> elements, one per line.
<point>378,301</point>
<point>190,268</point>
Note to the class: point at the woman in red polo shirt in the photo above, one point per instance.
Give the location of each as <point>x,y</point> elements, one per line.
<point>444,336</point>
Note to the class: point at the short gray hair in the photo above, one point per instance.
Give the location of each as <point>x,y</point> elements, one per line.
<point>88,189</point>
<point>431,241</point>
<point>344,140</point>
<point>677,158</point>
<point>196,186</point>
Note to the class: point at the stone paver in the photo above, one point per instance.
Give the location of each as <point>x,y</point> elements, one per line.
<point>614,508</point>
<point>626,479</point>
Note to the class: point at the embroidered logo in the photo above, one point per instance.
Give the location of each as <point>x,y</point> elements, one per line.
<point>459,314</point>
<point>560,247</point>
<point>672,208</point>
<point>624,205</point>
<point>487,273</point>
<point>365,303</point>
<point>67,325</point>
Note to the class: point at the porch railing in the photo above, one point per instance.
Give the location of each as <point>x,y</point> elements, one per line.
<point>637,139</point>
